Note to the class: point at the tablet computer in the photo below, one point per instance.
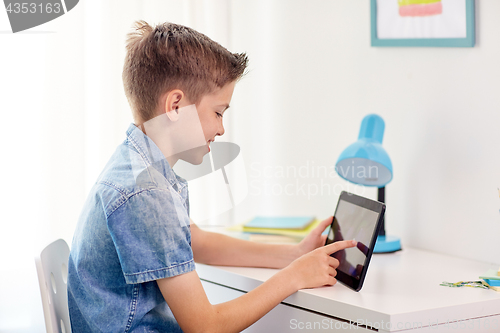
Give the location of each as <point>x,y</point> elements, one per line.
<point>360,219</point>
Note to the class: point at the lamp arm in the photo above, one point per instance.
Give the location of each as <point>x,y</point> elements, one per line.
<point>381,198</point>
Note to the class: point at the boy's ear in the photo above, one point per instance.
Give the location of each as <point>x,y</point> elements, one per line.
<point>172,103</point>
<point>174,100</point>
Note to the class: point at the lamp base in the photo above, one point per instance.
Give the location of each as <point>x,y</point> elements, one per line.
<point>387,244</point>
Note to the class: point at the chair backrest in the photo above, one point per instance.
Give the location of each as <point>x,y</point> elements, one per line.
<point>52,269</point>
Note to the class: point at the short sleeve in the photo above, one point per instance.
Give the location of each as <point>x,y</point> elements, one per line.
<point>152,236</point>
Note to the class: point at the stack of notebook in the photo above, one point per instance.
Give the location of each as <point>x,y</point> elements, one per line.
<point>492,279</point>
<point>277,229</point>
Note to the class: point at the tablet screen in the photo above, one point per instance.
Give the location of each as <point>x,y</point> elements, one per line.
<point>355,218</point>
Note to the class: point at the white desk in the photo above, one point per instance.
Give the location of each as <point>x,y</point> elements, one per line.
<point>401,291</point>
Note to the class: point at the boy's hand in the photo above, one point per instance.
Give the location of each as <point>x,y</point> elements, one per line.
<point>317,268</point>
<point>315,238</point>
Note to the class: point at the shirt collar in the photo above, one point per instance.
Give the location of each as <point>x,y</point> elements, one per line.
<point>152,155</point>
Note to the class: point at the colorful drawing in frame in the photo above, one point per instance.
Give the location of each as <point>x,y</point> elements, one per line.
<point>435,23</point>
<point>420,7</point>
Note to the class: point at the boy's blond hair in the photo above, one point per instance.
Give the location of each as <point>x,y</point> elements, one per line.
<point>171,56</point>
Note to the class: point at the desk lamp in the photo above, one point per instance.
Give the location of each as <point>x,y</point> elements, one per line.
<point>366,162</point>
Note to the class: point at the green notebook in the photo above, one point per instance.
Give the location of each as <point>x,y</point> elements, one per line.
<point>280,222</point>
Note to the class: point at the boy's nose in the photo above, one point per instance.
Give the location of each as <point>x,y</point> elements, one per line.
<point>221,129</point>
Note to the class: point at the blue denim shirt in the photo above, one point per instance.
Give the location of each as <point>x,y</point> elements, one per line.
<point>133,230</point>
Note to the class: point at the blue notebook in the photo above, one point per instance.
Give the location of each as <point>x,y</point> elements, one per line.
<point>280,222</point>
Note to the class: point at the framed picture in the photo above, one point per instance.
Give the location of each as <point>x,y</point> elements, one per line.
<point>438,23</point>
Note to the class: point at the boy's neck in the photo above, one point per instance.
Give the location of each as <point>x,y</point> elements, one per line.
<point>170,159</point>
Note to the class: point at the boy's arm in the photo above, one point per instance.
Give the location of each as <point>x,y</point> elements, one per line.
<point>218,249</point>
<point>194,313</point>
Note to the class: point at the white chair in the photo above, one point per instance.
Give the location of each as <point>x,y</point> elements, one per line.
<point>52,269</point>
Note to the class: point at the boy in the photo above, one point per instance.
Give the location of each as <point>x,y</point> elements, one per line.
<point>131,267</point>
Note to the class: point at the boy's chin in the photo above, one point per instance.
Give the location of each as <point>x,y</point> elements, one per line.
<point>193,156</point>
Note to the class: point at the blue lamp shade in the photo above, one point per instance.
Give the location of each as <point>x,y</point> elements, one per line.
<point>366,162</point>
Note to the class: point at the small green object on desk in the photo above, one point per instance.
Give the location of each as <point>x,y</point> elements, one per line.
<point>471,284</point>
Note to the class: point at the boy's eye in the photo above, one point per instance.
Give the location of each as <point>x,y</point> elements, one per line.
<point>219,114</point>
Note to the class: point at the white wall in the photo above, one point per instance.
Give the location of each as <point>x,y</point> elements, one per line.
<point>314,76</point>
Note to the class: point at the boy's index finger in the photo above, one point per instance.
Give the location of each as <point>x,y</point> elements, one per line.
<point>340,245</point>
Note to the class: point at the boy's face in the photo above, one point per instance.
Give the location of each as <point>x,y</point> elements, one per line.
<point>210,110</point>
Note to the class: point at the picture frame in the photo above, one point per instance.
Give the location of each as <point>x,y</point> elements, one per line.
<point>467,28</point>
